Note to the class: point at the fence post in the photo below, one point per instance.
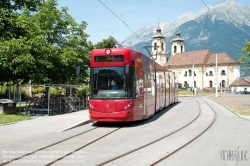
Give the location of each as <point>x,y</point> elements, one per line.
<point>79,103</point>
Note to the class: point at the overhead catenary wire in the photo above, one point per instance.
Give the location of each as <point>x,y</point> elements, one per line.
<point>207,15</point>
<point>123,22</point>
<point>138,36</point>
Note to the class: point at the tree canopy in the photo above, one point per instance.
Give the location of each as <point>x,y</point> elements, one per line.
<point>41,43</point>
<point>106,43</point>
<point>245,60</point>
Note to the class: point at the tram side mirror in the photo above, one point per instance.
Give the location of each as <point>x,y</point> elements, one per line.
<point>126,69</point>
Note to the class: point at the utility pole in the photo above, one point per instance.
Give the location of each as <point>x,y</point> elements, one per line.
<point>216,78</point>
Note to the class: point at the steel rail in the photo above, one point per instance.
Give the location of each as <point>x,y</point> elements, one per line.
<point>82,147</point>
<point>152,142</point>
<point>45,147</point>
<point>165,157</point>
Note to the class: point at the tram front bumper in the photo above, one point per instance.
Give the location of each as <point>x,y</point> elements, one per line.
<point>121,116</point>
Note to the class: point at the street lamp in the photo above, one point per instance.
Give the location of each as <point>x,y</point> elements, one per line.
<point>216,78</point>
<point>193,68</point>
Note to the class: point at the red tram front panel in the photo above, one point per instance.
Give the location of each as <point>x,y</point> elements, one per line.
<point>124,68</point>
<point>111,110</point>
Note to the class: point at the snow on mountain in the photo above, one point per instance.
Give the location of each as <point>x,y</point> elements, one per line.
<point>167,28</point>
<point>228,11</point>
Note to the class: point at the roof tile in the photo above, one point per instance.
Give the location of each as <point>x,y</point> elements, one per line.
<point>203,57</point>
<point>240,82</point>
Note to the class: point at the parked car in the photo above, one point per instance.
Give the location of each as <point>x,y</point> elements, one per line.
<point>245,92</point>
<point>212,90</point>
<point>235,92</point>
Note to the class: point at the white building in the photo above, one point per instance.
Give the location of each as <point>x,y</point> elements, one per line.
<point>159,52</point>
<point>200,68</point>
<point>240,85</point>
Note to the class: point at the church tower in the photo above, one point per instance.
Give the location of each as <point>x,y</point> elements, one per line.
<point>178,45</point>
<point>159,52</point>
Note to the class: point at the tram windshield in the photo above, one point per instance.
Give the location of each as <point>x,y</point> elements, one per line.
<point>112,82</point>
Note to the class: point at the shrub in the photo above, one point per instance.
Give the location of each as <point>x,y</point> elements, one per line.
<point>82,91</point>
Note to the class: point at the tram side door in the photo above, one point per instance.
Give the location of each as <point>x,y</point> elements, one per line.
<point>150,95</point>
<point>160,89</point>
<point>171,88</point>
<point>145,80</point>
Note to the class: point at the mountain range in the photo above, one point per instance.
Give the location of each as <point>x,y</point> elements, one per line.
<point>224,27</point>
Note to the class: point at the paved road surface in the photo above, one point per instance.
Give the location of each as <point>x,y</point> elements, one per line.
<point>41,126</point>
<point>227,142</point>
<point>229,135</point>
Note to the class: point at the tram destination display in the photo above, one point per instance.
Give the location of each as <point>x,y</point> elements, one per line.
<point>109,58</point>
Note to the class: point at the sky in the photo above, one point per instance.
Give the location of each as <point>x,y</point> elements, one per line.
<point>120,18</point>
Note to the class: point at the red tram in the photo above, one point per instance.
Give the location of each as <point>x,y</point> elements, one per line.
<point>127,85</point>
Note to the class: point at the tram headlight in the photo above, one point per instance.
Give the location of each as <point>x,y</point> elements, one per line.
<point>129,105</point>
<point>91,106</point>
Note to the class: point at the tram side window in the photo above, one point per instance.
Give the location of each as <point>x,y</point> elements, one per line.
<point>149,87</point>
<point>152,85</point>
<point>131,83</point>
<point>138,83</point>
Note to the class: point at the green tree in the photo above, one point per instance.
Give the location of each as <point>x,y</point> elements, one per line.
<point>69,40</point>
<point>12,41</point>
<point>245,60</point>
<point>106,43</point>
<point>42,43</point>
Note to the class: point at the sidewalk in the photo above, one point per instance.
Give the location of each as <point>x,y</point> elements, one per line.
<point>41,125</point>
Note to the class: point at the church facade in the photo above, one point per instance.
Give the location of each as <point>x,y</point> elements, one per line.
<point>200,69</point>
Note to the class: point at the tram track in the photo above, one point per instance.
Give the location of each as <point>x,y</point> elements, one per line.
<point>50,145</point>
<point>165,157</point>
<point>133,154</point>
<point>114,160</point>
<point>81,147</point>
<point>28,155</point>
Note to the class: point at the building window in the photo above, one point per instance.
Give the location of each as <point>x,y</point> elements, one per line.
<point>190,72</point>
<point>206,74</point>
<point>155,46</point>
<point>223,72</point>
<point>162,46</point>
<point>210,73</point>
<point>210,84</point>
<point>194,73</point>
<point>175,49</point>
<point>185,75</point>
<point>194,84</point>
<point>185,84</point>
<point>223,83</point>
<point>181,48</point>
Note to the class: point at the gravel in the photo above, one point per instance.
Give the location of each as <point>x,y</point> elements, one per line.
<point>238,103</point>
